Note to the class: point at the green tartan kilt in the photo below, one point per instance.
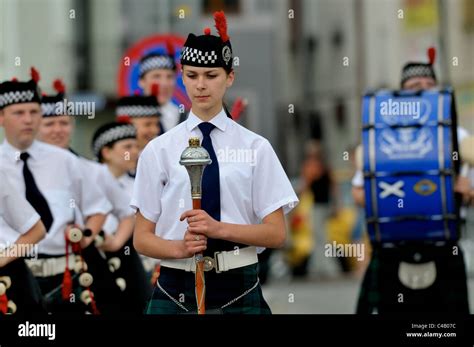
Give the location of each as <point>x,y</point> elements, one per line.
<point>381,287</point>
<point>221,288</point>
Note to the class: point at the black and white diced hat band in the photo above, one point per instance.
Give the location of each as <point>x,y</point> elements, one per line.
<point>10,98</point>
<point>156,62</point>
<point>53,105</point>
<point>197,56</point>
<point>50,109</point>
<point>15,92</point>
<point>111,133</point>
<point>138,106</point>
<point>418,69</point>
<point>138,111</point>
<point>208,50</point>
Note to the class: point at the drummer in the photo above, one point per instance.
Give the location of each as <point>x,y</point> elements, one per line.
<point>382,291</point>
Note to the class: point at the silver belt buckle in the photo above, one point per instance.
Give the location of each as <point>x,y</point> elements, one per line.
<point>208,263</point>
<point>36,268</point>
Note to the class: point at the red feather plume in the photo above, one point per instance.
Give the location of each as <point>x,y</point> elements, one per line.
<point>35,76</point>
<point>170,48</point>
<point>221,25</point>
<point>238,108</point>
<point>155,89</point>
<point>123,119</point>
<point>431,55</point>
<point>59,86</point>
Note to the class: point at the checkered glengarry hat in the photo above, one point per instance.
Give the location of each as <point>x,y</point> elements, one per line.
<point>138,106</point>
<point>52,104</point>
<point>417,69</point>
<point>208,50</point>
<point>110,133</point>
<point>158,60</point>
<point>15,92</point>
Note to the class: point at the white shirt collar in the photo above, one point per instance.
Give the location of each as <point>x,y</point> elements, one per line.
<point>12,151</point>
<point>220,120</point>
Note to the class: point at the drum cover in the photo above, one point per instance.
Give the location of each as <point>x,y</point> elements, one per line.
<point>410,161</point>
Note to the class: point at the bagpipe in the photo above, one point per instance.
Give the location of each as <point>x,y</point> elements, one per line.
<point>6,306</point>
<point>410,163</point>
<point>73,236</point>
<point>80,270</point>
<point>93,264</point>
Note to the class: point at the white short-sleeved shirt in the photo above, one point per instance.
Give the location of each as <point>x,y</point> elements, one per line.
<point>358,179</point>
<point>59,176</point>
<point>253,183</point>
<point>126,182</point>
<point>113,192</point>
<point>17,216</point>
<point>169,116</point>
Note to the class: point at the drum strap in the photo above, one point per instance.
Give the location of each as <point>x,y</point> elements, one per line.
<point>373,183</point>
<point>444,172</point>
<point>441,163</point>
<point>436,217</point>
<point>445,122</point>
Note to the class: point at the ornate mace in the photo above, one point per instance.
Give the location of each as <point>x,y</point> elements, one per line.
<point>195,158</point>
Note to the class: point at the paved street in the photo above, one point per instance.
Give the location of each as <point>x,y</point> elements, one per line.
<point>313,296</point>
<point>320,296</point>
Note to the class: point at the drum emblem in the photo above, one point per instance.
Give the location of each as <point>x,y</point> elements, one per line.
<point>425,187</point>
<point>408,143</point>
<point>391,189</point>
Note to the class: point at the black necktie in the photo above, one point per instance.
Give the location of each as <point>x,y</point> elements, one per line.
<point>211,192</point>
<point>34,196</point>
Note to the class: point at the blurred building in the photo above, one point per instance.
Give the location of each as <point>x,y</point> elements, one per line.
<point>303,64</point>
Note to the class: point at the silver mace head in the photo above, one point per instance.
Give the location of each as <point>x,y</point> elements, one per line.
<point>195,158</point>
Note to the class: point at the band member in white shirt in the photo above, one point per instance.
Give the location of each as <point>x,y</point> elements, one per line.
<point>57,128</point>
<point>20,231</point>
<point>115,145</point>
<point>160,68</point>
<point>243,200</point>
<point>52,181</point>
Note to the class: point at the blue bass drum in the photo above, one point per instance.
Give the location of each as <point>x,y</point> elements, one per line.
<point>410,161</point>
